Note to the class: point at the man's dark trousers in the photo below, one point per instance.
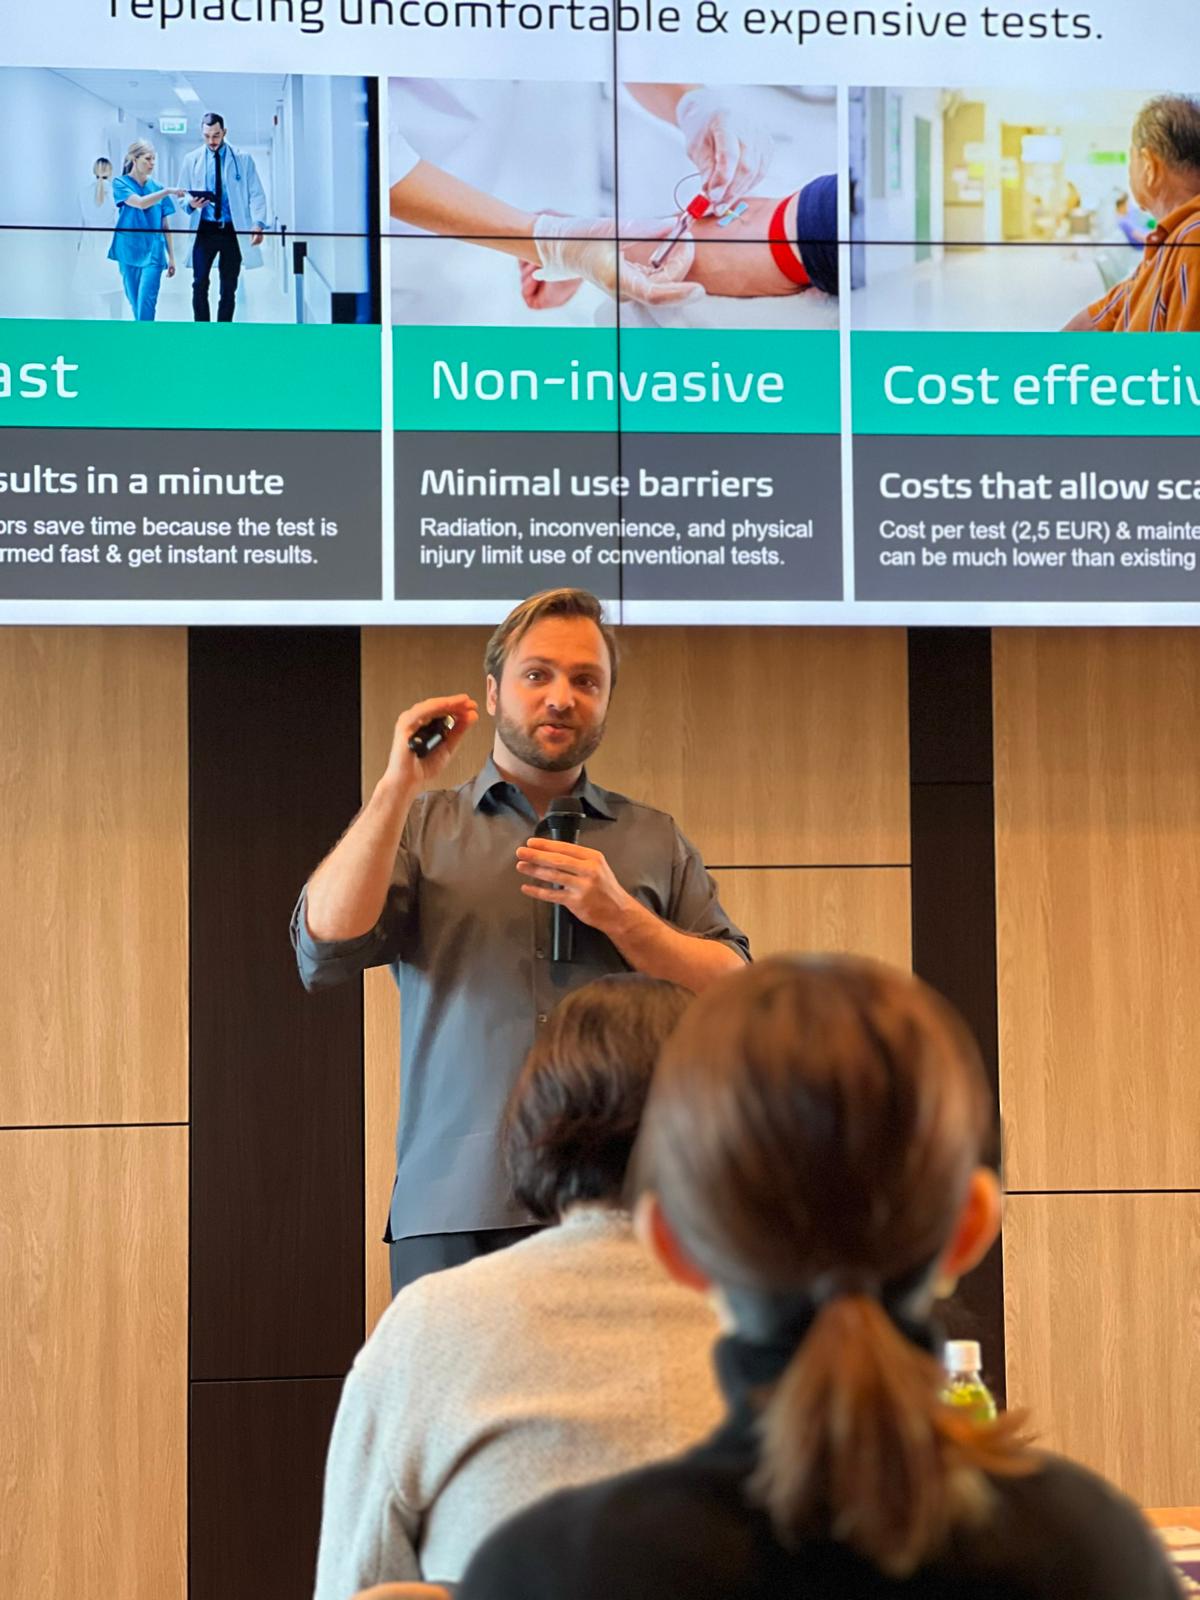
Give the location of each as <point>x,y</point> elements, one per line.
<point>411,1259</point>
<point>215,242</point>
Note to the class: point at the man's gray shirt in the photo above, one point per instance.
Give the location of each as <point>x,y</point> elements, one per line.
<point>470,954</point>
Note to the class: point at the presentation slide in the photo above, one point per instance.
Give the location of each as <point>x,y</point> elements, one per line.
<point>387,311</point>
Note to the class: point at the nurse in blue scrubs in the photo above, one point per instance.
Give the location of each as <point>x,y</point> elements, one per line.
<point>141,244</point>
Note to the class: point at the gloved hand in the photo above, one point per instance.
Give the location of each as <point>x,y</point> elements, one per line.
<point>730,149</point>
<point>582,247</point>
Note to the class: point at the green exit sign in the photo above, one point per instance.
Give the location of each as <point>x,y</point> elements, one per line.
<point>1107,158</point>
<point>172,124</point>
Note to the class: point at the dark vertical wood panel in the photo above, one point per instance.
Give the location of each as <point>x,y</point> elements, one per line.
<point>276,1075</point>
<point>954,904</point>
<point>954,891</point>
<point>950,705</point>
<point>257,1468</point>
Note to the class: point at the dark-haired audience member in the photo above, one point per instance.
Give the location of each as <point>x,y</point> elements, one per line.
<point>566,1357</point>
<point>812,1148</point>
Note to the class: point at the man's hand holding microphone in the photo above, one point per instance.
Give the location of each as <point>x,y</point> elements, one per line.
<point>579,879</point>
<point>560,871</point>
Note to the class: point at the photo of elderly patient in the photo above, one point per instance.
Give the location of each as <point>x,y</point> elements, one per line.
<point>625,204</point>
<point>1020,209</point>
<point>1162,294</point>
<point>812,1155</point>
<point>554,1362</point>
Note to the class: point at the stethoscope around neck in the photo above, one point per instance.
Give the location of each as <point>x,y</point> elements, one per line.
<point>237,167</point>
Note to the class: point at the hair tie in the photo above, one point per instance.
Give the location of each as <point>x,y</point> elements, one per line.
<point>843,1282</point>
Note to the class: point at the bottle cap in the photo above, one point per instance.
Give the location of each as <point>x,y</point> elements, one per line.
<point>962,1356</point>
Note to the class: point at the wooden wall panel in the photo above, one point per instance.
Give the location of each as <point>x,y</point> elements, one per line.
<point>93,858</point>
<point>769,746</point>
<point>822,909</point>
<point>954,896</point>
<point>1102,1320</point>
<point>1098,896</point>
<point>277,1091</point>
<point>258,1465</point>
<point>93,1363</point>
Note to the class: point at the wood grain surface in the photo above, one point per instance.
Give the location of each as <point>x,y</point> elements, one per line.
<point>1098,901</point>
<point>93,1363</point>
<point>93,858</point>
<point>1102,1314</point>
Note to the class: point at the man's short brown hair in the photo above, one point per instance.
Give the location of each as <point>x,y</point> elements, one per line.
<point>549,603</point>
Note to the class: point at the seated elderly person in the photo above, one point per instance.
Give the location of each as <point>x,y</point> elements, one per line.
<point>557,1361</point>
<point>776,246</point>
<point>1162,294</point>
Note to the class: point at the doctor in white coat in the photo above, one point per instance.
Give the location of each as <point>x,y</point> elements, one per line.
<point>237,207</point>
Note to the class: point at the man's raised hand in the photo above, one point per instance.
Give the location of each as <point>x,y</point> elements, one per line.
<point>404,768</point>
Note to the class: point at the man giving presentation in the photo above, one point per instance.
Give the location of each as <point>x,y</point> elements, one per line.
<point>456,890</point>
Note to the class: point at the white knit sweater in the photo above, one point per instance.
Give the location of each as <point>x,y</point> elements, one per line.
<point>563,1359</point>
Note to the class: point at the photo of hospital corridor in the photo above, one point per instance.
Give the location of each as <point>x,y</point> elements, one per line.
<point>952,188</point>
<point>296,163</point>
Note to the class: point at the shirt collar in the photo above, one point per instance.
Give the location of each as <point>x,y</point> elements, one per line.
<point>596,801</point>
<point>1189,211</point>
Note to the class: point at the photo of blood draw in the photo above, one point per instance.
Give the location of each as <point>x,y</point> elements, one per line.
<point>674,205</point>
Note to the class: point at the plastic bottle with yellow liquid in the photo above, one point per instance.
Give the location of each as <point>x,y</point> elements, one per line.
<point>964,1381</point>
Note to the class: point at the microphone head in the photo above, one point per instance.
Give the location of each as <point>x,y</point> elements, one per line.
<point>564,818</point>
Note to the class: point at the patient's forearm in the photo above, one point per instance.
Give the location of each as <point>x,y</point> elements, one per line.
<point>736,260</point>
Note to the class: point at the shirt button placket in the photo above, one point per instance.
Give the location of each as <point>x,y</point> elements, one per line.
<point>541,971</point>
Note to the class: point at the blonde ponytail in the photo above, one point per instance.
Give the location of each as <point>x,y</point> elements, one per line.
<point>103,178</point>
<point>857,1446</point>
<point>136,151</point>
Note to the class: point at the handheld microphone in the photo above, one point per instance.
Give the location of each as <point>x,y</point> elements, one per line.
<point>428,736</point>
<point>562,823</point>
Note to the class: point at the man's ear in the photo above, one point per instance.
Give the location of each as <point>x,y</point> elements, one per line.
<point>658,1237</point>
<point>978,1225</point>
<point>493,695</point>
<point>1152,170</point>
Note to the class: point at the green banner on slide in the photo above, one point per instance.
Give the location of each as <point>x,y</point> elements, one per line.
<point>1119,385</point>
<point>595,380</point>
<point>203,375</point>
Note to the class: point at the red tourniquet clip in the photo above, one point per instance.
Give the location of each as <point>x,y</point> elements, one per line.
<point>782,253</point>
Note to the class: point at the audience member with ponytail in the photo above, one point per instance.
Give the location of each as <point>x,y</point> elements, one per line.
<point>811,1155</point>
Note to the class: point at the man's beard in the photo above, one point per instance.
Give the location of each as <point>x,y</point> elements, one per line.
<point>526,748</point>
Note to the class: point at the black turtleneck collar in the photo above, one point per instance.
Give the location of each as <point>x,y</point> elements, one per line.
<point>746,1366</point>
